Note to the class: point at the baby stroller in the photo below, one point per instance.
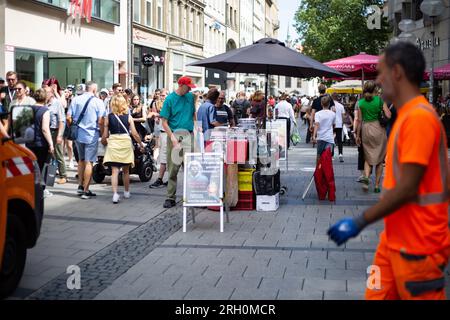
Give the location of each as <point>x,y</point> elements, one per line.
<point>144,164</point>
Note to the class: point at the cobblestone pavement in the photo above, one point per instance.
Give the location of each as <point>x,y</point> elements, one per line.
<point>136,250</point>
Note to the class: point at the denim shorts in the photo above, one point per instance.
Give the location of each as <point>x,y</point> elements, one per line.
<point>87,151</point>
<point>322,145</point>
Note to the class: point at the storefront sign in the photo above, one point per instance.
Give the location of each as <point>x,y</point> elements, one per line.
<point>426,44</point>
<point>80,9</point>
<point>203,179</point>
<point>148,60</point>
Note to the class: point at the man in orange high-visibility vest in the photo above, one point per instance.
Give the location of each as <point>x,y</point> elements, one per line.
<point>415,246</point>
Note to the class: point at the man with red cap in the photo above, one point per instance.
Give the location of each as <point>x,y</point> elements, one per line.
<point>178,117</point>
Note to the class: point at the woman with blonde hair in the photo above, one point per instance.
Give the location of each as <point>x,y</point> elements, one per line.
<point>119,148</point>
<point>372,134</point>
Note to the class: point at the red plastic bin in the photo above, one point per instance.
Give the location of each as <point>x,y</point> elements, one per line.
<point>246,202</point>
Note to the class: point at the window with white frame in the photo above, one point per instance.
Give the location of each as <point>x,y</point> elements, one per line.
<point>137,11</point>
<point>148,12</point>
<point>169,17</point>
<point>191,25</point>
<point>160,15</point>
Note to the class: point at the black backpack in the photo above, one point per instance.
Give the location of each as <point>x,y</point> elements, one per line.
<point>240,109</point>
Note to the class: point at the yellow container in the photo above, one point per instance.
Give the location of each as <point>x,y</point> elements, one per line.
<point>245,180</point>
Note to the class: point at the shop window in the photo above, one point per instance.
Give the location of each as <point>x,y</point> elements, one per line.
<point>70,70</point>
<point>103,73</point>
<point>106,10</point>
<point>31,67</point>
<point>178,62</point>
<point>192,68</point>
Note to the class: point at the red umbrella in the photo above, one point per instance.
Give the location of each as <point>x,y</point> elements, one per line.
<point>361,66</point>
<point>441,73</point>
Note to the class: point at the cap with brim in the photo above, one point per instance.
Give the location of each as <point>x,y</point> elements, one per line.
<point>186,81</point>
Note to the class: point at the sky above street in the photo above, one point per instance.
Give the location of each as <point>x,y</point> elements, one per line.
<point>287,9</point>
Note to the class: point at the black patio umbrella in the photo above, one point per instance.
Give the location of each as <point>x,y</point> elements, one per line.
<point>270,57</point>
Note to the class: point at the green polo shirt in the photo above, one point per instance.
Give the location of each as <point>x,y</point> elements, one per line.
<point>179,111</point>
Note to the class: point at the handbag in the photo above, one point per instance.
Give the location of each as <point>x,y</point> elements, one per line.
<point>295,136</point>
<point>73,129</point>
<point>382,118</point>
<point>49,172</point>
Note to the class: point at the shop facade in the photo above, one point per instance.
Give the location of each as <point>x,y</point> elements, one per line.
<point>149,62</point>
<point>398,11</point>
<point>53,44</point>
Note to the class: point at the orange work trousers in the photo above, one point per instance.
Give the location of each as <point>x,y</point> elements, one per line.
<point>409,277</point>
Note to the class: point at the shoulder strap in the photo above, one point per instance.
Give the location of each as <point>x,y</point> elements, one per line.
<point>123,126</point>
<point>84,110</point>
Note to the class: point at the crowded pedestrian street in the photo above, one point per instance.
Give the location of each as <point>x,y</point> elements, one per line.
<point>138,251</point>
<point>224,158</point>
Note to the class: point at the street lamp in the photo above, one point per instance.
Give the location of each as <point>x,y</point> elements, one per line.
<point>407,26</point>
<point>433,9</point>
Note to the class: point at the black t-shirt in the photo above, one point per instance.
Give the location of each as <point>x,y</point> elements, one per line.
<point>317,103</point>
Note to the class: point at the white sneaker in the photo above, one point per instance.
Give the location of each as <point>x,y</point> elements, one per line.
<point>127,195</point>
<point>71,165</point>
<point>116,198</point>
<point>47,193</point>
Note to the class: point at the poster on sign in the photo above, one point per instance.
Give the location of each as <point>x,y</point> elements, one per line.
<point>280,126</point>
<point>203,179</point>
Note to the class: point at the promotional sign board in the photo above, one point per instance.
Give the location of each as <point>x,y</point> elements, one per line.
<point>280,126</point>
<point>203,179</point>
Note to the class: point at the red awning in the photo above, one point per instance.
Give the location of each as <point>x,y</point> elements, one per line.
<point>354,66</point>
<point>441,73</point>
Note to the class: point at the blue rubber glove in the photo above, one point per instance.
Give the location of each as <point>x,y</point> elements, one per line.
<point>346,228</point>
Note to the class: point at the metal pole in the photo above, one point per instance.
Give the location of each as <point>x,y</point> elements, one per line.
<point>431,98</point>
<point>266,98</point>
<point>130,44</point>
<point>362,79</point>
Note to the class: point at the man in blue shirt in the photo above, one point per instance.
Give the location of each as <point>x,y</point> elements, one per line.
<point>89,131</point>
<point>207,113</point>
<point>178,117</point>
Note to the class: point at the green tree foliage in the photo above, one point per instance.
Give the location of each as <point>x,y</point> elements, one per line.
<point>333,29</point>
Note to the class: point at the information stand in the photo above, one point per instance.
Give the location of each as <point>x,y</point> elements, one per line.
<point>203,183</point>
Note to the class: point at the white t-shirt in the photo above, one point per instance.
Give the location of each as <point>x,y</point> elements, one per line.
<point>325,119</point>
<point>340,110</point>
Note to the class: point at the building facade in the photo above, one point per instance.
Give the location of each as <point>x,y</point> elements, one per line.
<point>233,26</point>
<point>215,40</point>
<point>398,10</point>
<point>52,43</point>
<point>167,35</point>
<point>245,22</point>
